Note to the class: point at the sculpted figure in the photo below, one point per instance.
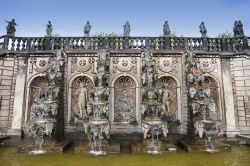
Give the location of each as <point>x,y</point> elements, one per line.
<point>49,29</point>
<point>203,30</point>
<point>165,99</point>
<point>199,128</point>
<point>238,29</point>
<point>11,27</point>
<point>87,29</point>
<point>126,31</point>
<point>82,100</point>
<point>166,30</point>
<point>164,130</point>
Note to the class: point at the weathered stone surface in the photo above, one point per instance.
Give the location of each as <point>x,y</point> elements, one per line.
<point>239,83</point>
<point>246,62</point>
<point>242,123</point>
<point>237,63</point>
<point>238,73</point>
<point>241,113</point>
<point>9,63</point>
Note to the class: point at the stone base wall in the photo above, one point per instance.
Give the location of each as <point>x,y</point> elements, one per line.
<point>8,69</point>
<point>240,70</point>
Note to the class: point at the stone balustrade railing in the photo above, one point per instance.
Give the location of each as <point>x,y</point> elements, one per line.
<point>22,44</point>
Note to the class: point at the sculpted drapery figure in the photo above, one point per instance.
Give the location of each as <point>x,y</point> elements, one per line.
<point>87,29</point>
<point>82,100</point>
<point>49,28</point>
<point>126,31</point>
<point>203,29</point>
<point>166,29</point>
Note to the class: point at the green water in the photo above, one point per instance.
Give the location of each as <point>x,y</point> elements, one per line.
<point>239,156</point>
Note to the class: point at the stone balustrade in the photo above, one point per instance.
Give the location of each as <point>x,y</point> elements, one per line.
<point>22,44</point>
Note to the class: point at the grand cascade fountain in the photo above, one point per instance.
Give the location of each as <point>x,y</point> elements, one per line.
<point>123,93</point>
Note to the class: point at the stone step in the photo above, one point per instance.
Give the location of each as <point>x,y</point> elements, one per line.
<point>245,139</point>
<point>125,129</point>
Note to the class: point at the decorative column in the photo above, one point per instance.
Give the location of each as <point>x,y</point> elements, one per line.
<point>231,129</point>
<point>19,99</point>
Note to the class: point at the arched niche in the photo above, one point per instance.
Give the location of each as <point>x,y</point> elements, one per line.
<point>168,86</point>
<point>73,94</point>
<point>34,88</point>
<point>215,96</point>
<point>124,99</point>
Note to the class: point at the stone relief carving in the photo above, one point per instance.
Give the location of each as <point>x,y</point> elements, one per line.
<point>125,100</point>
<point>82,64</point>
<point>207,65</point>
<point>167,64</point>
<point>124,64</point>
<point>38,64</point>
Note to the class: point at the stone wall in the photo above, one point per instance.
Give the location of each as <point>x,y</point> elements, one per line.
<point>8,69</point>
<point>240,69</point>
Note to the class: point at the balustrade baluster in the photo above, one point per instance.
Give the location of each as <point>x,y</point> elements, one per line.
<point>23,44</point>
<point>142,45</point>
<point>18,44</point>
<point>13,44</point>
<point>116,43</point>
<point>121,43</point>
<point>95,43</point>
<point>40,44</point>
<point>218,41</point>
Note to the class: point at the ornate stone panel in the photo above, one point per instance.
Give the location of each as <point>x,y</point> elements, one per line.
<point>125,100</point>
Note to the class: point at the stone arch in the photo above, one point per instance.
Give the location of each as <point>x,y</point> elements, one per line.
<point>137,98</point>
<point>175,95</point>
<point>73,85</point>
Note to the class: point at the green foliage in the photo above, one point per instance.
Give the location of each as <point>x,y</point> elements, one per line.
<point>104,34</point>
<point>225,35</point>
<point>56,35</point>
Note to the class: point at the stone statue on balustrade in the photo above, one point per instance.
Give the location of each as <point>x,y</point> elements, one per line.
<point>82,100</point>
<point>126,29</point>
<point>49,29</point>
<point>203,29</point>
<point>166,29</point>
<point>238,29</point>
<point>11,27</point>
<point>87,29</point>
